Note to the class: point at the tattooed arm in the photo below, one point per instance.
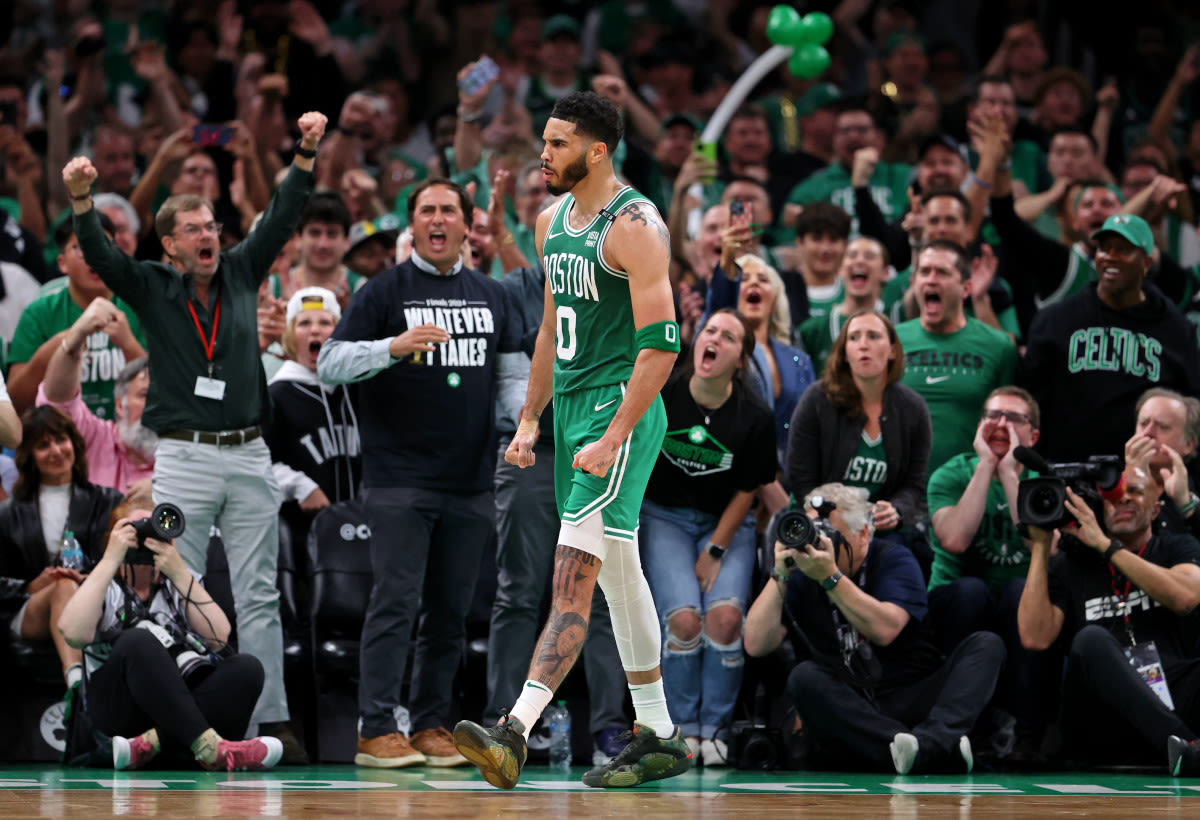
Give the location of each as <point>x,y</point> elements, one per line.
<point>639,244</point>
<point>575,573</point>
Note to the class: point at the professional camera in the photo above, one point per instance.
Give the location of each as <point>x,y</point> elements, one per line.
<point>754,745</point>
<point>185,648</point>
<point>165,523</point>
<point>794,529</point>
<point>1040,501</point>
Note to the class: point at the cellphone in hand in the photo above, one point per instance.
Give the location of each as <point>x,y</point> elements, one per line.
<point>212,135</point>
<point>741,207</point>
<point>484,71</point>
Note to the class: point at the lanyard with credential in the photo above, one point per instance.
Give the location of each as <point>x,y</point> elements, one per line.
<point>1123,597</point>
<point>209,344</point>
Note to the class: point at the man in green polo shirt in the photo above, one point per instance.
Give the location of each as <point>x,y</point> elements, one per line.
<point>952,360</point>
<point>208,395</point>
<point>45,321</point>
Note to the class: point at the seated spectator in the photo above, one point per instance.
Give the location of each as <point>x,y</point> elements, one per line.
<point>52,496</point>
<point>874,692</point>
<point>860,426</point>
<point>48,318</point>
<point>780,372</point>
<point>120,453</point>
<point>315,451</point>
<point>1163,445</point>
<point>126,612</point>
<point>697,534</point>
<point>1117,594</point>
<point>979,559</point>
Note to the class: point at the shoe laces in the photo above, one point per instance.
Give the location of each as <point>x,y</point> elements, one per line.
<point>239,754</point>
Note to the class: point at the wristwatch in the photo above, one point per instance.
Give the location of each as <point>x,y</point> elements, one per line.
<point>716,550</point>
<point>832,581</point>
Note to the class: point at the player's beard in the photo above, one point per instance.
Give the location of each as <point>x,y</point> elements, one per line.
<point>571,176</point>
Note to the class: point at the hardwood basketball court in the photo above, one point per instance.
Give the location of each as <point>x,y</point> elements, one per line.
<point>33,791</point>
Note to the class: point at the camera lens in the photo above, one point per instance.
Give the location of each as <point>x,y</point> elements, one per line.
<point>1044,502</point>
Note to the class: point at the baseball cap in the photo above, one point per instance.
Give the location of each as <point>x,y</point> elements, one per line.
<point>680,118</point>
<point>1131,227</point>
<point>819,96</point>
<point>384,228</point>
<point>561,24</point>
<point>313,299</point>
<point>943,139</point>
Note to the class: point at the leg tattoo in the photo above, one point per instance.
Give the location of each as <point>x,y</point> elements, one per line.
<point>562,640</point>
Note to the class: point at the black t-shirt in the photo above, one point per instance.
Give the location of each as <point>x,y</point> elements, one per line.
<point>892,575</point>
<point>707,456</point>
<point>1089,590</point>
<point>428,421</point>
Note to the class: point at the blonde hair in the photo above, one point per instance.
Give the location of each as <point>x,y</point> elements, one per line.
<point>779,323</point>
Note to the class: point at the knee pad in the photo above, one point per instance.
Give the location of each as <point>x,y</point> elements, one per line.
<point>634,619</point>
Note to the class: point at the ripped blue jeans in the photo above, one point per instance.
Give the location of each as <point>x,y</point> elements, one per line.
<point>701,674</point>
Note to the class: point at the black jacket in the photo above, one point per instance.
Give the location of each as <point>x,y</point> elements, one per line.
<point>822,440</point>
<point>23,546</point>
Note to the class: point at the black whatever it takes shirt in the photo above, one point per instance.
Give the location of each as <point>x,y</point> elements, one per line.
<point>706,455</point>
<point>428,420</point>
<point>1089,590</point>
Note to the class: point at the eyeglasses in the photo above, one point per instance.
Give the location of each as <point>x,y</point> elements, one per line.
<point>192,231</point>
<point>1007,415</point>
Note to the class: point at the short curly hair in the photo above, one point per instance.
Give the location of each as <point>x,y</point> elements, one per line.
<point>593,115</point>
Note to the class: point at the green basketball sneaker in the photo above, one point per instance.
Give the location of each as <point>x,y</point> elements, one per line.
<point>498,751</point>
<point>646,757</point>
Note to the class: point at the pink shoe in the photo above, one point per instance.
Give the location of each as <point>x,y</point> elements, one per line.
<point>246,755</point>
<point>131,753</point>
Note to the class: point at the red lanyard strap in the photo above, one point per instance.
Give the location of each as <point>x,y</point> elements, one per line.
<point>209,345</point>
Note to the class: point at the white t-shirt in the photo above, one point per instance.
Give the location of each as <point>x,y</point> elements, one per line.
<point>53,503</point>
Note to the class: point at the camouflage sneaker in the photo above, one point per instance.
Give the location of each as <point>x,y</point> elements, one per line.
<point>498,751</point>
<point>646,757</point>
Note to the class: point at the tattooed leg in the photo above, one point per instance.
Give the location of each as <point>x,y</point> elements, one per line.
<point>575,573</point>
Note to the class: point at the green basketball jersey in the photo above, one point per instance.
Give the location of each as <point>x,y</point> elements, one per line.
<point>594,330</point>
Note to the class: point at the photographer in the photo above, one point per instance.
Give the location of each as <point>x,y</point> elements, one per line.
<point>874,692</point>
<point>144,692</point>
<point>1117,595</point>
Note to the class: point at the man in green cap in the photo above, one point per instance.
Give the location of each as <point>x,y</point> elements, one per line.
<point>1091,355</point>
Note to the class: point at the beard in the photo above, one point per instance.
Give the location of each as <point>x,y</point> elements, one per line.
<point>142,440</point>
<point>572,175</point>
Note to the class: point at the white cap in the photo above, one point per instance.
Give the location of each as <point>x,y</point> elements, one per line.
<point>313,299</point>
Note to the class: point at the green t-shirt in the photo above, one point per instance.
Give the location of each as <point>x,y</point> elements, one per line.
<point>868,468</point>
<point>955,372</point>
<point>824,298</point>
<point>996,554</point>
<point>57,311</point>
<point>897,286</point>
<point>889,189</point>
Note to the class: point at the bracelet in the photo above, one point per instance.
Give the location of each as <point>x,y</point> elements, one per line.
<point>975,180</point>
<point>1192,503</point>
<point>1114,547</point>
<point>469,118</point>
<point>81,198</point>
<point>307,153</point>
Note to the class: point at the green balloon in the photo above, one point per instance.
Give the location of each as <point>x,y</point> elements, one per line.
<point>816,27</point>
<point>782,25</point>
<point>808,61</point>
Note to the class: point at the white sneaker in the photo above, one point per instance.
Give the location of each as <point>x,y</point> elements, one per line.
<point>714,753</point>
<point>964,749</point>
<point>904,749</point>
<point>693,744</point>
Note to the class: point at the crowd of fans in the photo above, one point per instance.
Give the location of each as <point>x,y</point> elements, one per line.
<point>976,232</point>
